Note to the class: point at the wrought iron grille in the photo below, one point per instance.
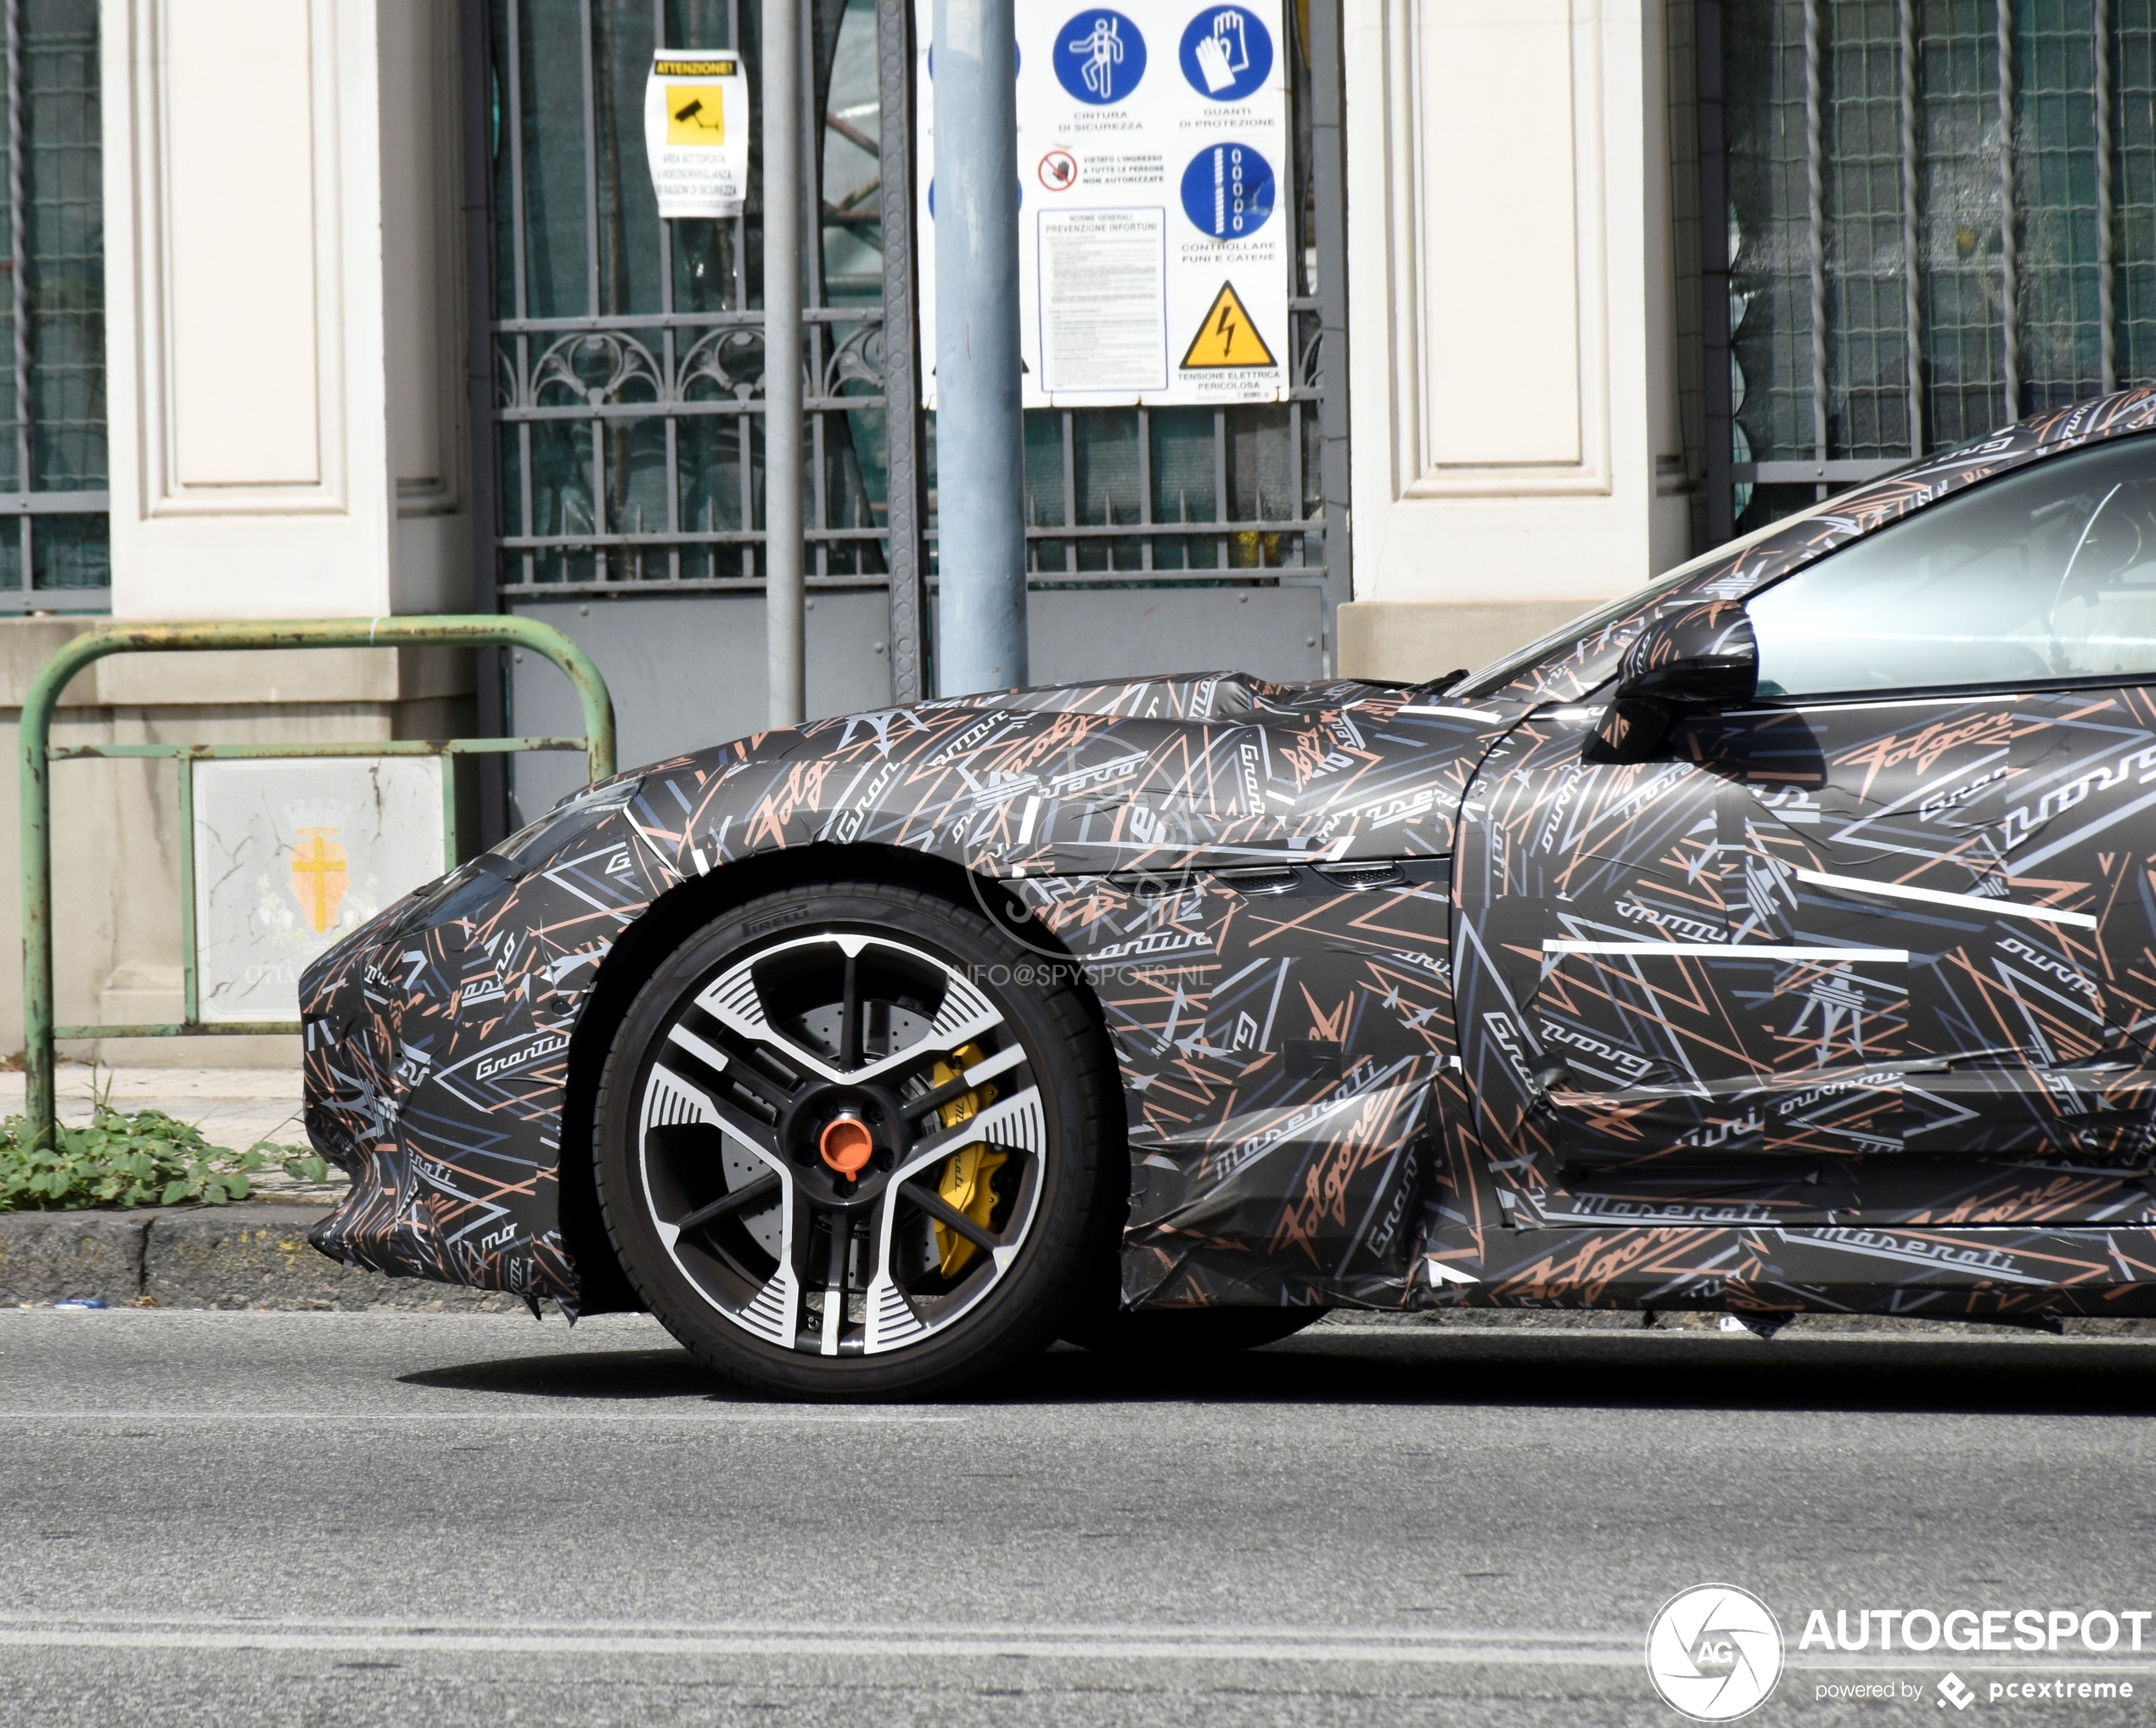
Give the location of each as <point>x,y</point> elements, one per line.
<point>53,474</point>
<point>628,352</point>
<point>1937,220</point>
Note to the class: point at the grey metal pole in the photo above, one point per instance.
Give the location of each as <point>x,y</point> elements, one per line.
<point>785,647</point>
<point>980,432</point>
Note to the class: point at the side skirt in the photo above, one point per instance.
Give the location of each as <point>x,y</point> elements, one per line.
<point>1967,1274</point>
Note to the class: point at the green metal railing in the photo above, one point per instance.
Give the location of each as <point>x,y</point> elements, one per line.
<point>40,1032</point>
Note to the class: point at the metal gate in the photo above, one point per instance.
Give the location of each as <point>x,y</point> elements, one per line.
<point>618,385</point>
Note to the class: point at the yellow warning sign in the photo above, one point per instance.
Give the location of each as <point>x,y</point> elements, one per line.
<point>1227,337</point>
<point>695,114</point>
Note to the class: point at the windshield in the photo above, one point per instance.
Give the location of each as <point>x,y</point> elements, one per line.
<point>1588,624</point>
<point>1487,680</point>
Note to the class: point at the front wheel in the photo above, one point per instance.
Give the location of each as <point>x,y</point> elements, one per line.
<point>856,1142</point>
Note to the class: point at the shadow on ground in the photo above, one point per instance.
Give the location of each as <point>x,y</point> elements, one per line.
<point>610,1374</point>
<point>1695,1370</point>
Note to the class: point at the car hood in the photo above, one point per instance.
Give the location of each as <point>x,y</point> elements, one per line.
<point>1207,770</point>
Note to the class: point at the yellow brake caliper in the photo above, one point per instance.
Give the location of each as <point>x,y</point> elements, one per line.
<point>968,1183</point>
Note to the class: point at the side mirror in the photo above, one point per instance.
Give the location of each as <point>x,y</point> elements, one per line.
<point>1704,657</point>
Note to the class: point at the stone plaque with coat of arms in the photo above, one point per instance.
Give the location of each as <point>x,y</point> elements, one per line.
<point>290,854</point>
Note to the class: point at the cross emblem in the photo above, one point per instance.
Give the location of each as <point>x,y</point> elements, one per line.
<point>315,861</point>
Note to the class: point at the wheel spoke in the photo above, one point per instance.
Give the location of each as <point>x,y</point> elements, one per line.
<point>759,1029</point>
<point>766,1188</point>
<point>744,1127</point>
<point>721,1112</point>
<point>752,1079</point>
<point>718,1061</point>
<point>891,1069</point>
<point>937,1146</point>
<point>945,1214</point>
<point>849,1016</point>
<point>773,1311</point>
<point>834,1283</point>
<point>955,1088</point>
<point>959,1084</point>
<point>700,1052</point>
<point>800,1233</point>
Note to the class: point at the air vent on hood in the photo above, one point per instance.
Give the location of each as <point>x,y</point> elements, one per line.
<point>1378,874</point>
<point>1261,878</point>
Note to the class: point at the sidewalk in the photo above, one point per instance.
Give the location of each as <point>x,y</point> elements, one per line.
<point>233,1106</point>
<point>252,1254</point>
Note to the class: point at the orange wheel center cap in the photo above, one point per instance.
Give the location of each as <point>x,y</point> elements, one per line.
<point>847,1145</point>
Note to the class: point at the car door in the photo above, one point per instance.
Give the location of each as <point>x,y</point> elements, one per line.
<point>1876,945</point>
<point>1646,1031</point>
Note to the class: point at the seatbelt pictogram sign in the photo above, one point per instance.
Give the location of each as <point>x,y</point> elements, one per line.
<point>1227,337</point>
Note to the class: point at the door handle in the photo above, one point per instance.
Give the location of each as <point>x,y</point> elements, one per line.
<point>1542,1080</point>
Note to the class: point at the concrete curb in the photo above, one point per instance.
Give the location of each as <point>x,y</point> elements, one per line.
<point>51,1256</point>
<point>247,1255</point>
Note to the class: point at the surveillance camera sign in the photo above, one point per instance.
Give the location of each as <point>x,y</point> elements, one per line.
<point>696,134</point>
<point>1156,228</point>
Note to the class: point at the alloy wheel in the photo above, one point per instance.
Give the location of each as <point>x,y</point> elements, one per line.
<point>841,1142</point>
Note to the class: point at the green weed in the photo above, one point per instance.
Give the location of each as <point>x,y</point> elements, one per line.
<point>134,1157</point>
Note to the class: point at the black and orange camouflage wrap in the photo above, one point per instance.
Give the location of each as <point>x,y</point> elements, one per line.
<point>1129,819</point>
<point>1418,996</point>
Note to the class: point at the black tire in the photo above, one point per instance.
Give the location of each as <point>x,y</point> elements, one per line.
<point>1192,1335</point>
<point>747,1148</point>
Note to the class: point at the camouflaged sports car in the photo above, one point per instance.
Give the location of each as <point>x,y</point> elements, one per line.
<point>1780,937</point>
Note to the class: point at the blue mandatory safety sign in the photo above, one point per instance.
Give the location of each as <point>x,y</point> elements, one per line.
<point>1100,56</point>
<point>1227,52</point>
<point>1125,107</point>
<point>1227,191</point>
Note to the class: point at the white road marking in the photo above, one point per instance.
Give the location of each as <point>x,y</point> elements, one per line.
<point>1375,1646</point>
<point>1378,1647</point>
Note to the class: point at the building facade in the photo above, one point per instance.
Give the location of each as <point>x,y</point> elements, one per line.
<point>347,307</point>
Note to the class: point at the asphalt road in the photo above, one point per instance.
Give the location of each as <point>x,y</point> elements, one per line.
<point>342,1519</point>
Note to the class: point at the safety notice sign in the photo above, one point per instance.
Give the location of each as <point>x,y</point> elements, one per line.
<point>696,134</point>
<point>1155,238</point>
